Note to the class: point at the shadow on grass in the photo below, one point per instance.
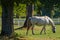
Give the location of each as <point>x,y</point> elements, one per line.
<point>19,28</point>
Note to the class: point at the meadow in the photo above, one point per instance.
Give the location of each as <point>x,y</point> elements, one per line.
<point>21,33</point>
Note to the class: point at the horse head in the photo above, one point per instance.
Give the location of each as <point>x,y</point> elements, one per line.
<point>54,29</point>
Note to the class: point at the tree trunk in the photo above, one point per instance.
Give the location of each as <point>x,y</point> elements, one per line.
<point>39,12</point>
<point>29,13</point>
<point>52,13</point>
<point>7,18</point>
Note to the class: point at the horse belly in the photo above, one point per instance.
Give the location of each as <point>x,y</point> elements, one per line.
<point>39,22</point>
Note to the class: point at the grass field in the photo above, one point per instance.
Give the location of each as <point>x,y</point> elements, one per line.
<point>48,36</point>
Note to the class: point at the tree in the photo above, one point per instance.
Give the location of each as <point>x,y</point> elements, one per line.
<point>7,17</point>
<point>39,6</point>
<point>49,5</point>
<point>30,8</point>
<point>28,14</point>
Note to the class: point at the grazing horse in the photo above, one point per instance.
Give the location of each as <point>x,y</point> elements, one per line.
<point>42,20</point>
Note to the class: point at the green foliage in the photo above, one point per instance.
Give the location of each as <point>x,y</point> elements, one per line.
<point>20,10</point>
<point>24,1</point>
<point>48,36</point>
<point>20,6</point>
<point>0,11</point>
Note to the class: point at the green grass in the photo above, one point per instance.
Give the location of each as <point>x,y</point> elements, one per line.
<point>48,36</point>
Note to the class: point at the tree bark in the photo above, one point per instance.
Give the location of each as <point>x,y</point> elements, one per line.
<point>7,18</point>
<point>39,12</point>
<point>29,8</point>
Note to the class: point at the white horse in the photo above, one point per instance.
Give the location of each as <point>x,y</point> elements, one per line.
<point>43,20</point>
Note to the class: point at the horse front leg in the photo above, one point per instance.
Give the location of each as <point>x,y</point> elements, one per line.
<point>43,29</point>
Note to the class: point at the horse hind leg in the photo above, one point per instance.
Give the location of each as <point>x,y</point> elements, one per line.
<point>33,29</point>
<point>28,27</point>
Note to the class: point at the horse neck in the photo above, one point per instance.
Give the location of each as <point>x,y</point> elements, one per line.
<point>51,22</point>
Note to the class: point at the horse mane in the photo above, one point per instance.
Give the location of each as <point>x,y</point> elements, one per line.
<point>51,21</point>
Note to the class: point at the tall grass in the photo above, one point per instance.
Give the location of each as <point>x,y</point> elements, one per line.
<point>48,36</point>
